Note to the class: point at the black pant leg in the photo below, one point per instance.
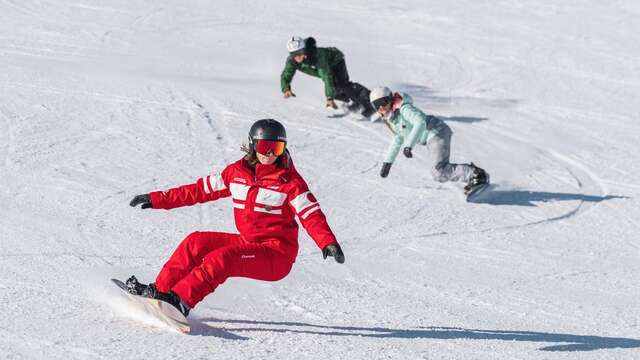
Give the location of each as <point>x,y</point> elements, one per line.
<point>350,90</point>
<point>340,81</point>
<point>361,96</point>
<point>340,74</point>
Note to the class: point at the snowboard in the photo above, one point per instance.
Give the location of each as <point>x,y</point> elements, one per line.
<point>341,111</point>
<point>475,191</point>
<point>159,309</point>
<point>334,114</point>
<point>352,111</point>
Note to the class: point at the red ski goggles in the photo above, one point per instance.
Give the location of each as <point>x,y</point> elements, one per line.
<point>264,147</point>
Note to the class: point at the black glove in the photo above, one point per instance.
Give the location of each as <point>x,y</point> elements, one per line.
<point>144,199</point>
<point>385,169</point>
<point>407,152</point>
<point>335,251</point>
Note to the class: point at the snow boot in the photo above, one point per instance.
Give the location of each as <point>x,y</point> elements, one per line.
<point>170,297</point>
<point>368,111</point>
<point>353,106</point>
<point>134,287</point>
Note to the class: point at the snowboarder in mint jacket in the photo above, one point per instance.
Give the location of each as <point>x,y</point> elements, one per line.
<point>410,127</point>
<point>267,194</point>
<point>329,65</point>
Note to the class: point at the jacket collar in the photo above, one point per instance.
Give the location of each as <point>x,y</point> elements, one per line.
<point>398,101</point>
<point>269,172</point>
<point>396,104</point>
<point>266,172</point>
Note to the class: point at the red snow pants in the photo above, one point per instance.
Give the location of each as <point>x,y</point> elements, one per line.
<point>204,260</point>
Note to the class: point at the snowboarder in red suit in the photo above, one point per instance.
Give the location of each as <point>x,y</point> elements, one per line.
<point>267,193</point>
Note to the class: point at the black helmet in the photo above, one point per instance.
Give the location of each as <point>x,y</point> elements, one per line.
<point>266,129</point>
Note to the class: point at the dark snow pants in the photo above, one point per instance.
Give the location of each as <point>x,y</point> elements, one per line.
<point>347,90</point>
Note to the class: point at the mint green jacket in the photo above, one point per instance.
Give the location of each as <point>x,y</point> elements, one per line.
<point>410,127</point>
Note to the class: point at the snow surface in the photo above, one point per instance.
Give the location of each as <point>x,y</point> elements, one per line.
<point>103,100</point>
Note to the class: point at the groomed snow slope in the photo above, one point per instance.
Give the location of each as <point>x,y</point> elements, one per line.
<point>103,100</point>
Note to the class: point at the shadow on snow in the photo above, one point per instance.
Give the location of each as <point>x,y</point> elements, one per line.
<point>462,119</point>
<point>424,95</point>
<point>560,342</point>
<point>527,198</point>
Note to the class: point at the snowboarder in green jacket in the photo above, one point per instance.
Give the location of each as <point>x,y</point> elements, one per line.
<point>327,64</point>
<point>410,127</point>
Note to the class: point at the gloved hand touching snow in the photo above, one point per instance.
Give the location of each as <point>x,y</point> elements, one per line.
<point>143,199</point>
<point>335,251</point>
<point>407,152</point>
<point>385,169</point>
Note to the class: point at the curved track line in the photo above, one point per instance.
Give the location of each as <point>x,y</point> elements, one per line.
<point>584,177</point>
<point>8,147</point>
<point>5,144</point>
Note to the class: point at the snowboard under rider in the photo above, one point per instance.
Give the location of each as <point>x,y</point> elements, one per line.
<point>411,126</point>
<point>329,65</point>
<point>267,193</point>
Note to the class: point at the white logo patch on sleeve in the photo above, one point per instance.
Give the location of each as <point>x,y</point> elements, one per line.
<point>303,201</point>
<point>213,183</point>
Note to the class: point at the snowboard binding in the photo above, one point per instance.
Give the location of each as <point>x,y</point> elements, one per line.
<point>478,183</point>
<point>134,287</point>
<point>480,177</point>
<point>150,291</point>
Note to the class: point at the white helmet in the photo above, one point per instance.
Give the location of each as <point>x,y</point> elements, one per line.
<point>295,44</point>
<point>380,96</point>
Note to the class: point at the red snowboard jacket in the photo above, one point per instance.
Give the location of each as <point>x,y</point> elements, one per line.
<point>265,202</point>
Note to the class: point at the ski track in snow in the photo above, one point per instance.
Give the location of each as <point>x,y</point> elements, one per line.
<point>587,182</point>
<point>7,141</point>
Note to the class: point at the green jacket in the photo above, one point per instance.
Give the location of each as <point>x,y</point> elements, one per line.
<point>410,127</point>
<point>318,63</point>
